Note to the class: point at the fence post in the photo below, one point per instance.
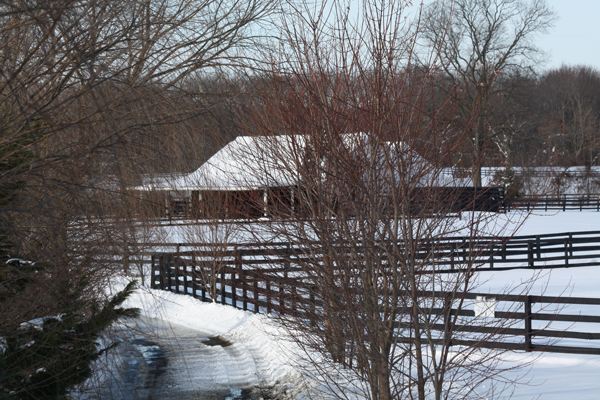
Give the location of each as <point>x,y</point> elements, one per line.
<point>566,251</point>
<point>256,306</point>
<point>539,247</point>
<point>176,265</point>
<point>194,279</point>
<point>223,287</point>
<point>185,275</point>
<point>233,288</point>
<point>193,275</point>
<point>292,287</point>
<point>269,294</point>
<point>175,261</point>
<point>530,253</point>
<point>528,334</point>
<point>238,267</point>
<point>152,273</point>
<point>447,316</point>
<point>168,270</point>
<point>570,244</point>
<point>161,271</point>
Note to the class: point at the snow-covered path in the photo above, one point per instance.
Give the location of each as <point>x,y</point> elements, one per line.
<point>198,364</point>
<point>165,360</point>
<point>183,348</point>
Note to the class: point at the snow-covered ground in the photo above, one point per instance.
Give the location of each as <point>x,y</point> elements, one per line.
<point>559,376</point>
<point>552,376</point>
<point>551,181</point>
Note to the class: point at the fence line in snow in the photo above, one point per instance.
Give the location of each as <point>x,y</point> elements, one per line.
<point>450,254</point>
<point>567,202</point>
<point>285,290</point>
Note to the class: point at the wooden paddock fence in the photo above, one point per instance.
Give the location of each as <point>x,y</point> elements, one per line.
<point>568,202</point>
<point>270,279</point>
<point>556,250</point>
<point>243,282</point>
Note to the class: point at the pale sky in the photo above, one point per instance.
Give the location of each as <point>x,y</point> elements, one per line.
<point>575,38</point>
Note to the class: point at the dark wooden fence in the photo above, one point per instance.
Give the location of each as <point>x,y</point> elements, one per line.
<point>555,250</point>
<point>269,278</point>
<point>567,202</point>
<point>560,250</point>
<point>244,280</point>
<point>528,332</point>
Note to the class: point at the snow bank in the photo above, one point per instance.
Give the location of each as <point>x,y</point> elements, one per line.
<point>257,333</point>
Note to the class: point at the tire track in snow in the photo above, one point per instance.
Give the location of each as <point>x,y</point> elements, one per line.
<point>193,368</point>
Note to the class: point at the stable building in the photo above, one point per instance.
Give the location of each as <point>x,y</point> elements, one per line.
<point>262,177</point>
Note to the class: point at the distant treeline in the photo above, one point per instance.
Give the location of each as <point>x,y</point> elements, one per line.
<point>546,119</point>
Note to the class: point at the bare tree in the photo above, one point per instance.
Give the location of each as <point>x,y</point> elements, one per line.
<point>356,131</point>
<point>214,233</point>
<point>88,83</point>
<point>91,94</point>
<point>515,119</point>
<point>479,40</point>
<point>572,112</point>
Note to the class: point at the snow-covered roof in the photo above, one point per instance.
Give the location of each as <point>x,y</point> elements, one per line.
<point>159,181</point>
<point>245,163</point>
<point>255,162</point>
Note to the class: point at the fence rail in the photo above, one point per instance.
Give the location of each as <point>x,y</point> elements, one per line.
<point>284,290</point>
<point>568,202</point>
<point>444,255</point>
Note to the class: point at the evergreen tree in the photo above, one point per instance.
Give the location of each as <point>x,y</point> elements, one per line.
<point>50,322</point>
<point>45,357</point>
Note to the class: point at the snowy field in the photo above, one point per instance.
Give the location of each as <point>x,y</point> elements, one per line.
<point>552,376</point>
